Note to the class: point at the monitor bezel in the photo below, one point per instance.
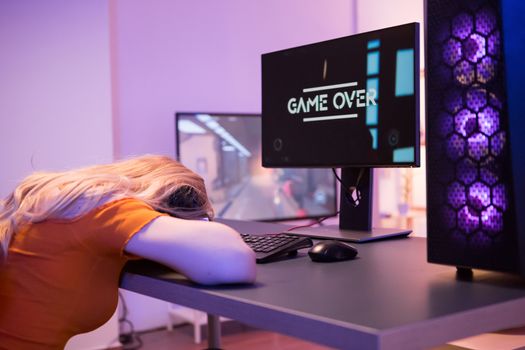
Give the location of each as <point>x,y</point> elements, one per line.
<point>335,211</point>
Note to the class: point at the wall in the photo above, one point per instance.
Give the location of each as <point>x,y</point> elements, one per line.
<point>203,56</point>
<point>55,87</point>
<point>199,56</point>
<point>55,96</point>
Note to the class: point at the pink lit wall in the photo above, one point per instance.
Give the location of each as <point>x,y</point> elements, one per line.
<point>54,88</point>
<point>203,56</point>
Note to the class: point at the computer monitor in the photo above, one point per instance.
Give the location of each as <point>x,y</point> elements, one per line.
<point>350,102</point>
<point>225,149</point>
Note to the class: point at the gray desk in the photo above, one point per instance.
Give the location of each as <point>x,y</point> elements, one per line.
<point>388,298</point>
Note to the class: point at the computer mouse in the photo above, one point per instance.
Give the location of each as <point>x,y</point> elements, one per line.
<point>332,250</point>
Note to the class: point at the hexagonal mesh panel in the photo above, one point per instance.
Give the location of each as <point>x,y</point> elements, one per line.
<point>467,130</point>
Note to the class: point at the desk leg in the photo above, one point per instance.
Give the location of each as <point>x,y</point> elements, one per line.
<point>214,332</point>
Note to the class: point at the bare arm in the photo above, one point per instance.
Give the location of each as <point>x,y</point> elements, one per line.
<point>205,252</point>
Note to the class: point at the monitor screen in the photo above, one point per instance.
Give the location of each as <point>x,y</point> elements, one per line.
<point>225,149</point>
<point>346,102</point>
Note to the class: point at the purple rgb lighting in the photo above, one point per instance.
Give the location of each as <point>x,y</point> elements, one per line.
<point>485,21</point>
<point>489,171</point>
<point>478,146</point>
<point>476,99</point>
<point>498,197</point>
<point>470,126</point>
<point>494,44</point>
<point>474,47</point>
<point>462,26</point>
<point>497,142</point>
<point>456,195</point>
<point>464,72</point>
<point>494,101</point>
<point>486,70</point>
<point>453,101</point>
<point>452,52</point>
<point>488,121</point>
<point>492,220</point>
<point>468,219</point>
<point>479,195</point>
<point>467,171</point>
<point>465,122</point>
<point>446,124</point>
<point>455,147</point>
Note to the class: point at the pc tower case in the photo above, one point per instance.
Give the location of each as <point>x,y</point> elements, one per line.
<point>476,133</point>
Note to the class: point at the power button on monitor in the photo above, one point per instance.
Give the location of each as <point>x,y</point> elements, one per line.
<point>393,137</point>
<point>277,144</point>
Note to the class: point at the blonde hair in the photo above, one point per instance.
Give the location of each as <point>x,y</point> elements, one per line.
<point>159,181</point>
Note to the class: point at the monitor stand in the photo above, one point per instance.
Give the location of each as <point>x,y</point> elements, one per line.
<point>355,222</point>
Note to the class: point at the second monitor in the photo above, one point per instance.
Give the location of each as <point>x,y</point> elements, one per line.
<point>225,149</point>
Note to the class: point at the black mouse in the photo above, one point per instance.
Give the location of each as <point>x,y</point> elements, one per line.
<point>332,250</point>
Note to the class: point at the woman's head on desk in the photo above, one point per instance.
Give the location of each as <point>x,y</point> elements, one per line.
<point>159,181</point>
<point>66,236</point>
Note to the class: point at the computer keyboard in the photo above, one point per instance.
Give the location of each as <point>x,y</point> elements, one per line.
<point>271,247</point>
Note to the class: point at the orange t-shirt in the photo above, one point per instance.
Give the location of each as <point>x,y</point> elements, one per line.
<point>61,277</point>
